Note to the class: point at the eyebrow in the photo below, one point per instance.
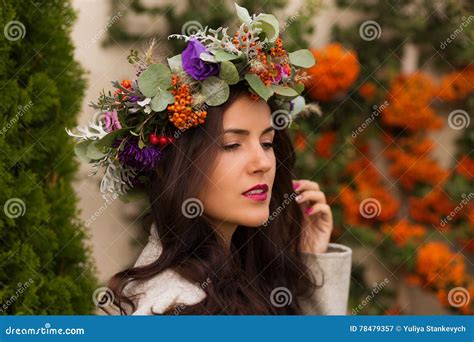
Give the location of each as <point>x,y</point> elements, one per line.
<point>245,132</point>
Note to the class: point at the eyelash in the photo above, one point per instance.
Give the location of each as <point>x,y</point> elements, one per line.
<point>234,146</point>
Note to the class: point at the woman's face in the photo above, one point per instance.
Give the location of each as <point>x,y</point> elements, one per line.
<point>245,160</point>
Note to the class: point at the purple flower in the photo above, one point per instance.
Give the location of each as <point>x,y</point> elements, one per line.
<point>111,121</point>
<point>131,155</point>
<point>134,98</point>
<point>193,65</point>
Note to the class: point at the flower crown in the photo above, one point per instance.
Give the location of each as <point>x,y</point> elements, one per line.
<point>132,126</point>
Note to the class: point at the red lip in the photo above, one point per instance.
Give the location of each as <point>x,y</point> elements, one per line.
<point>264,187</point>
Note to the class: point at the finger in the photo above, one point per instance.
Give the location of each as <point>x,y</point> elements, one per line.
<point>312,196</point>
<point>319,209</point>
<point>305,184</point>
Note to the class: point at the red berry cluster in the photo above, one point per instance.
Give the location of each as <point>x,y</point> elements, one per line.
<point>160,140</point>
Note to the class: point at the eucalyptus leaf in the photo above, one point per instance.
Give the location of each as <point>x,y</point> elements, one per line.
<point>94,152</point>
<point>285,91</point>
<point>215,91</point>
<point>175,63</point>
<point>81,150</point>
<point>109,139</point>
<point>269,25</point>
<point>156,77</point>
<point>302,58</point>
<point>228,72</point>
<point>161,101</point>
<point>243,14</point>
<point>299,87</point>
<point>222,55</point>
<point>257,85</point>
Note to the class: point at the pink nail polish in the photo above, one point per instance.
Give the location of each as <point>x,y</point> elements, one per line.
<point>309,210</point>
<point>296,186</point>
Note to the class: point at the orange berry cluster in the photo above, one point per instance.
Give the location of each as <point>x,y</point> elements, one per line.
<point>181,113</point>
<point>278,50</point>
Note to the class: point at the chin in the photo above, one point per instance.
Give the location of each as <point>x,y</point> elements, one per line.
<point>255,218</point>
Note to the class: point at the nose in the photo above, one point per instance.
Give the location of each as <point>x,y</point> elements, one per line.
<point>260,160</point>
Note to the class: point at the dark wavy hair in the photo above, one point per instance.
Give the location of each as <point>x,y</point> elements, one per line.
<point>260,259</point>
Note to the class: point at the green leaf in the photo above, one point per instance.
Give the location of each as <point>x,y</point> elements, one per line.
<point>156,77</point>
<point>299,87</point>
<point>257,85</point>
<point>81,150</point>
<point>269,25</point>
<point>222,55</point>
<point>302,58</point>
<point>215,91</point>
<point>228,72</point>
<point>161,101</point>
<point>108,140</point>
<point>94,152</point>
<point>285,91</point>
<point>175,62</point>
<point>243,14</point>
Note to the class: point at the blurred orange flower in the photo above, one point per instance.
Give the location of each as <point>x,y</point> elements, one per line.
<point>323,145</point>
<point>440,267</point>
<point>466,167</point>
<point>432,209</point>
<point>367,90</point>
<point>404,232</point>
<point>409,100</point>
<point>335,71</point>
<point>457,85</point>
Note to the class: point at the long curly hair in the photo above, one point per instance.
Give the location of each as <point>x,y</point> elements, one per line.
<point>260,259</point>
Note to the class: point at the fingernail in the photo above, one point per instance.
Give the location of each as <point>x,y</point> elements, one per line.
<point>298,198</point>
<point>296,186</point>
<point>309,210</point>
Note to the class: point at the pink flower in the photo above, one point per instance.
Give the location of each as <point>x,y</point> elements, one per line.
<point>112,122</point>
<point>280,72</point>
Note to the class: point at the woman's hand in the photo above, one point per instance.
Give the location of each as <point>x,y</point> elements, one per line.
<point>317,216</point>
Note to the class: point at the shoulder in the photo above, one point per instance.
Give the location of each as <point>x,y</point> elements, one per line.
<point>164,289</point>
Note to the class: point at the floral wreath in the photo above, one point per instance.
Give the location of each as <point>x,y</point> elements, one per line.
<point>132,126</point>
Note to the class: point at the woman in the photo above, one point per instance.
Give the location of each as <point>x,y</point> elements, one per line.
<point>234,231</point>
<point>216,247</point>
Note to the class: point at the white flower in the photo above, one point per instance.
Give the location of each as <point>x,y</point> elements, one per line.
<point>144,102</point>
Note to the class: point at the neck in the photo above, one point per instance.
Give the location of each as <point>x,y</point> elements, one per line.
<point>225,230</point>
